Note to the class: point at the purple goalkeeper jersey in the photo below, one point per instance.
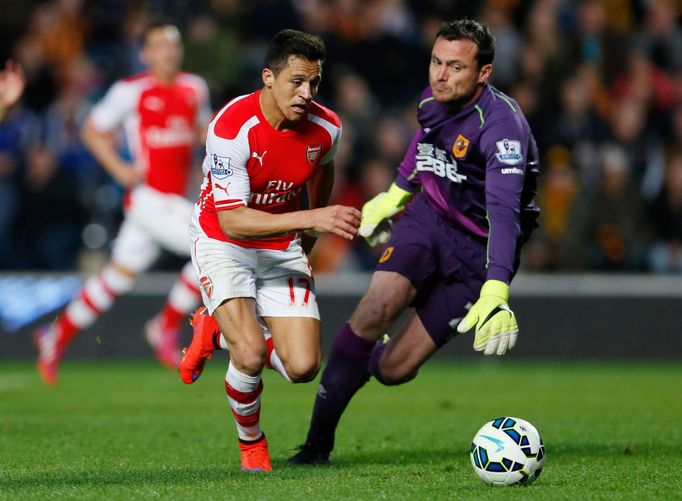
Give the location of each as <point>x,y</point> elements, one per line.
<point>478,168</point>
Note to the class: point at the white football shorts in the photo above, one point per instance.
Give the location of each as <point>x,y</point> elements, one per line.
<point>153,221</point>
<point>280,281</point>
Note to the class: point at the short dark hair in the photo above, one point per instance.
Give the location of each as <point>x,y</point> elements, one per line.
<point>155,25</point>
<point>289,43</point>
<point>468,29</point>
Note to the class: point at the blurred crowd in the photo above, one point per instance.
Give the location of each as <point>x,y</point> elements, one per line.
<point>600,82</point>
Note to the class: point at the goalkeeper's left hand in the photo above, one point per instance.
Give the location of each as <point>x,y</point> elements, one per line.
<point>496,327</point>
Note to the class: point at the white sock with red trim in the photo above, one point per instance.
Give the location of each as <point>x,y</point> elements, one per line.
<point>272,360</point>
<point>243,394</point>
<point>97,295</point>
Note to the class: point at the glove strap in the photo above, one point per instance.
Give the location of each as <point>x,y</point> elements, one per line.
<point>398,196</point>
<point>495,288</point>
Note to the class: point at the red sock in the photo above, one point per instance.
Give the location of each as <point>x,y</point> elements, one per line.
<point>66,331</point>
<point>271,346</point>
<point>171,318</point>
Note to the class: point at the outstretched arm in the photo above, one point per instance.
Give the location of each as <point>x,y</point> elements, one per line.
<point>245,223</point>
<point>509,154</point>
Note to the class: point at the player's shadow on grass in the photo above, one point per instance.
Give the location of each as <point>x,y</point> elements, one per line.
<point>131,477</point>
<point>389,457</point>
<point>190,475</point>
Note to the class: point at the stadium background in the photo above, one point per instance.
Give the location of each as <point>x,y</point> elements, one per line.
<point>600,82</point>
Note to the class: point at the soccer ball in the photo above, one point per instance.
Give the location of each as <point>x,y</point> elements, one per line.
<point>507,451</point>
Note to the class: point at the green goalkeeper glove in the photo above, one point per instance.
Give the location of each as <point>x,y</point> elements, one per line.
<point>496,327</point>
<point>375,225</point>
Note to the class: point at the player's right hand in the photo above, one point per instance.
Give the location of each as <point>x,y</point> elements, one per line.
<point>336,219</point>
<point>376,226</point>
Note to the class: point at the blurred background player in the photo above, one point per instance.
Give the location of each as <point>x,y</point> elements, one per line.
<point>164,113</point>
<point>12,83</point>
<point>556,59</point>
<point>262,150</point>
<point>471,173</point>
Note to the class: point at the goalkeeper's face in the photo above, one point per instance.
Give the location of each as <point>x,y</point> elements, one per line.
<point>454,73</point>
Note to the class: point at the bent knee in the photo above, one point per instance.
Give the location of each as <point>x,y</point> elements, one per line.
<point>392,376</point>
<point>303,372</point>
<point>251,360</point>
<point>375,313</point>
<point>370,317</point>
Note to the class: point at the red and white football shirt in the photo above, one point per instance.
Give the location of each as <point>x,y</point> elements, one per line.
<point>250,163</point>
<point>160,123</point>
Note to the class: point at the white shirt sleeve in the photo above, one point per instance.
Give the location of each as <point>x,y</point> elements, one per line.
<point>227,158</point>
<point>333,131</point>
<point>329,156</point>
<point>204,111</point>
<point>114,107</point>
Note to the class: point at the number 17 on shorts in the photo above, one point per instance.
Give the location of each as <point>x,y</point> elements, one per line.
<point>292,296</point>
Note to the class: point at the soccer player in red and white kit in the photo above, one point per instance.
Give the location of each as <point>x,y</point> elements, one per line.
<point>262,150</point>
<point>164,114</point>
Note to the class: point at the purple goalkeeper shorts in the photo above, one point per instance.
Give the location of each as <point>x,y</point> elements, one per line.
<point>445,265</point>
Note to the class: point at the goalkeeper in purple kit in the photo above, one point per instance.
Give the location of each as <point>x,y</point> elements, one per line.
<point>470,175</point>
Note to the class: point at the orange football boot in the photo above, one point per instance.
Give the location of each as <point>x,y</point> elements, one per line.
<point>255,456</point>
<point>164,342</point>
<point>204,338</point>
<point>49,354</point>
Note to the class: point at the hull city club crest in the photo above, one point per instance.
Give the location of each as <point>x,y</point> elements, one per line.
<point>312,153</point>
<point>461,146</point>
<point>387,254</point>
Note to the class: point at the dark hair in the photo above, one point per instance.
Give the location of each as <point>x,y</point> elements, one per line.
<point>289,43</point>
<point>468,29</point>
<point>155,25</point>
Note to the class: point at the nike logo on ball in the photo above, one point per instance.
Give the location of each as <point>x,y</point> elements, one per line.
<point>499,443</point>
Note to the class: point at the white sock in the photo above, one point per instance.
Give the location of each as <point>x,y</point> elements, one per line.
<point>243,394</point>
<point>274,360</point>
<point>184,295</point>
<point>97,296</point>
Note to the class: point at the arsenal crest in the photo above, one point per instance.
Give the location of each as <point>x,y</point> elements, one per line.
<point>461,146</point>
<point>312,153</point>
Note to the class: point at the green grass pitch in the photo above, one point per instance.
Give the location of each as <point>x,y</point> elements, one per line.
<point>122,430</point>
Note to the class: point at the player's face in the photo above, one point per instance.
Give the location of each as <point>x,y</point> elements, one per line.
<point>294,87</point>
<point>454,74</point>
<point>162,52</point>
